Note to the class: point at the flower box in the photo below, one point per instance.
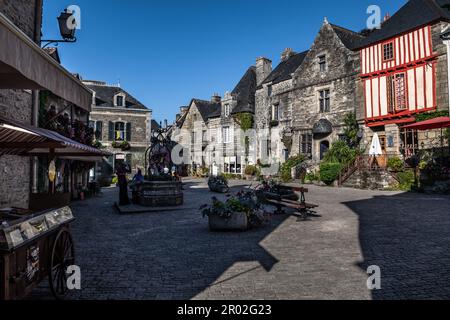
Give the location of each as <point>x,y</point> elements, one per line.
<point>237,222</point>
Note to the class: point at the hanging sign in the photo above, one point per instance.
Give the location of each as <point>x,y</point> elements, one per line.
<point>52,171</point>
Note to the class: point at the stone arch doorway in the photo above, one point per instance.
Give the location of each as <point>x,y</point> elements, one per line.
<point>324,147</point>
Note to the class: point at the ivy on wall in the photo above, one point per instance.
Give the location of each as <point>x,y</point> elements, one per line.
<point>245,121</point>
<point>430,115</point>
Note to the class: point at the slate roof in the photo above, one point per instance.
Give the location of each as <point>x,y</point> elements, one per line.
<point>105,97</point>
<point>349,38</point>
<point>245,92</point>
<point>155,125</point>
<point>414,14</point>
<point>285,69</point>
<point>208,109</point>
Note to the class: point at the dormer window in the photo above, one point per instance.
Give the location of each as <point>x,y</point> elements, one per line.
<point>119,101</point>
<point>322,63</point>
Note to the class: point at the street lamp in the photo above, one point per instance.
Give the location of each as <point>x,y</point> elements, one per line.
<point>67,27</point>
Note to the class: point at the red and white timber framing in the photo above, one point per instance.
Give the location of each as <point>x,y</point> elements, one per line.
<point>414,57</point>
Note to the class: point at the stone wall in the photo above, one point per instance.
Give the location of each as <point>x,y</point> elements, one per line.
<point>16,105</point>
<point>442,88</point>
<point>21,13</point>
<point>14,170</point>
<point>140,132</point>
<point>373,180</point>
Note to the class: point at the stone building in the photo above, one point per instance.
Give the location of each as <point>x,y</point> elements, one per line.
<point>122,126</point>
<point>404,74</point>
<point>33,83</point>
<point>210,131</point>
<point>303,102</point>
<point>17,105</point>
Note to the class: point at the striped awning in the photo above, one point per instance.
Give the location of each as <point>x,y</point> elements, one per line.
<point>26,140</point>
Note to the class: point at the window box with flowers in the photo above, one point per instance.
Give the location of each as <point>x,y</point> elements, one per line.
<point>123,145</point>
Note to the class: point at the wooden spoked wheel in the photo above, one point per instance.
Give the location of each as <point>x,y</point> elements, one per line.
<point>63,256</point>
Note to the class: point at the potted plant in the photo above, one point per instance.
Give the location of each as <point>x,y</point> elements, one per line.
<point>218,184</point>
<point>237,213</point>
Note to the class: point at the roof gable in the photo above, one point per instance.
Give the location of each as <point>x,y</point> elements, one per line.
<point>245,92</point>
<point>285,69</point>
<point>105,94</point>
<point>350,39</point>
<point>414,14</point>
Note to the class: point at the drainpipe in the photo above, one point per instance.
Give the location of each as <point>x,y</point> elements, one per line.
<point>446,40</point>
<point>35,93</point>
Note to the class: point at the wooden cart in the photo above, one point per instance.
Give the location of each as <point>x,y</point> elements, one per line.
<point>25,264</point>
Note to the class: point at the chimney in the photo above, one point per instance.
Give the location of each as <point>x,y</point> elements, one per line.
<point>216,98</point>
<point>183,110</point>
<point>286,54</point>
<point>263,69</point>
<point>386,17</point>
<point>166,124</point>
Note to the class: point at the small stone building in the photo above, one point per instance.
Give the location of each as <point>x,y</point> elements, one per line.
<point>122,126</point>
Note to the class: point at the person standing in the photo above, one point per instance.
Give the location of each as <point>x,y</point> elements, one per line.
<point>123,185</point>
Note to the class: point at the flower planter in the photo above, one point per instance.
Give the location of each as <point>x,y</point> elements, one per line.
<point>237,222</point>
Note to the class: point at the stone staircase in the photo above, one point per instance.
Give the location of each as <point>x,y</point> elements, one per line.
<point>361,174</point>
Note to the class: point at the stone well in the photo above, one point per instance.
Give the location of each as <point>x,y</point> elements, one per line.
<point>161,194</point>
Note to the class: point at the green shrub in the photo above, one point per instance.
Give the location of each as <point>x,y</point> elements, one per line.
<point>396,164</point>
<point>406,180</point>
<point>329,172</point>
<point>252,171</point>
<point>340,152</point>
<point>286,168</point>
<point>312,176</point>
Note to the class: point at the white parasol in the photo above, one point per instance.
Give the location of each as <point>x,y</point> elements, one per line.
<point>375,147</point>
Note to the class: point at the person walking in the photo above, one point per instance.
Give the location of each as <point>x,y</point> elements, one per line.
<point>123,185</point>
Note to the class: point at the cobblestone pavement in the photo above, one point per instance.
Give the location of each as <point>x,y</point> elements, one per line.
<point>172,255</point>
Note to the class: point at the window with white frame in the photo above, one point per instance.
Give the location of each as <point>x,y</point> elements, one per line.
<point>324,100</point>
<point>227,110</point>
<point>226,135</point>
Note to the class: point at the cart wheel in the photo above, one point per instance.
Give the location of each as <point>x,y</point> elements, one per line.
<point>63,256</point>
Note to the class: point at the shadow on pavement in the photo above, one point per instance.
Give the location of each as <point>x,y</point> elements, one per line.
<point>408,237</point>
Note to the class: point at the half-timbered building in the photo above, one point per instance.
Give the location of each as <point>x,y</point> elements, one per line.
<point>404,73</point>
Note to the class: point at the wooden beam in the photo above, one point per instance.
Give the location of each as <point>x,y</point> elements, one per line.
<point>31,145</point>
<point>66,154</point>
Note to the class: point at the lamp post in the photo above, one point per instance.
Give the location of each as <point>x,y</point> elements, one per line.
<point>67,28</point>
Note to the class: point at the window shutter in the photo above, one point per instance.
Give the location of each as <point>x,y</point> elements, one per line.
<point>99,129</point>
<point>128,133</point>
<point>111,131</point>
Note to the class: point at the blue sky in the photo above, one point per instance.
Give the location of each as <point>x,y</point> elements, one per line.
<point>167,52</point>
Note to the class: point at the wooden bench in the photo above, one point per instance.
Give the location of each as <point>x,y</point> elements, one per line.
<point>302,207</point>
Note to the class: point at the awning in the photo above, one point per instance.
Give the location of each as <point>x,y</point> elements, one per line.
<point>24,65</point>
<point>436,123</point>
<point>26,140</point>
<point>323,127</point>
